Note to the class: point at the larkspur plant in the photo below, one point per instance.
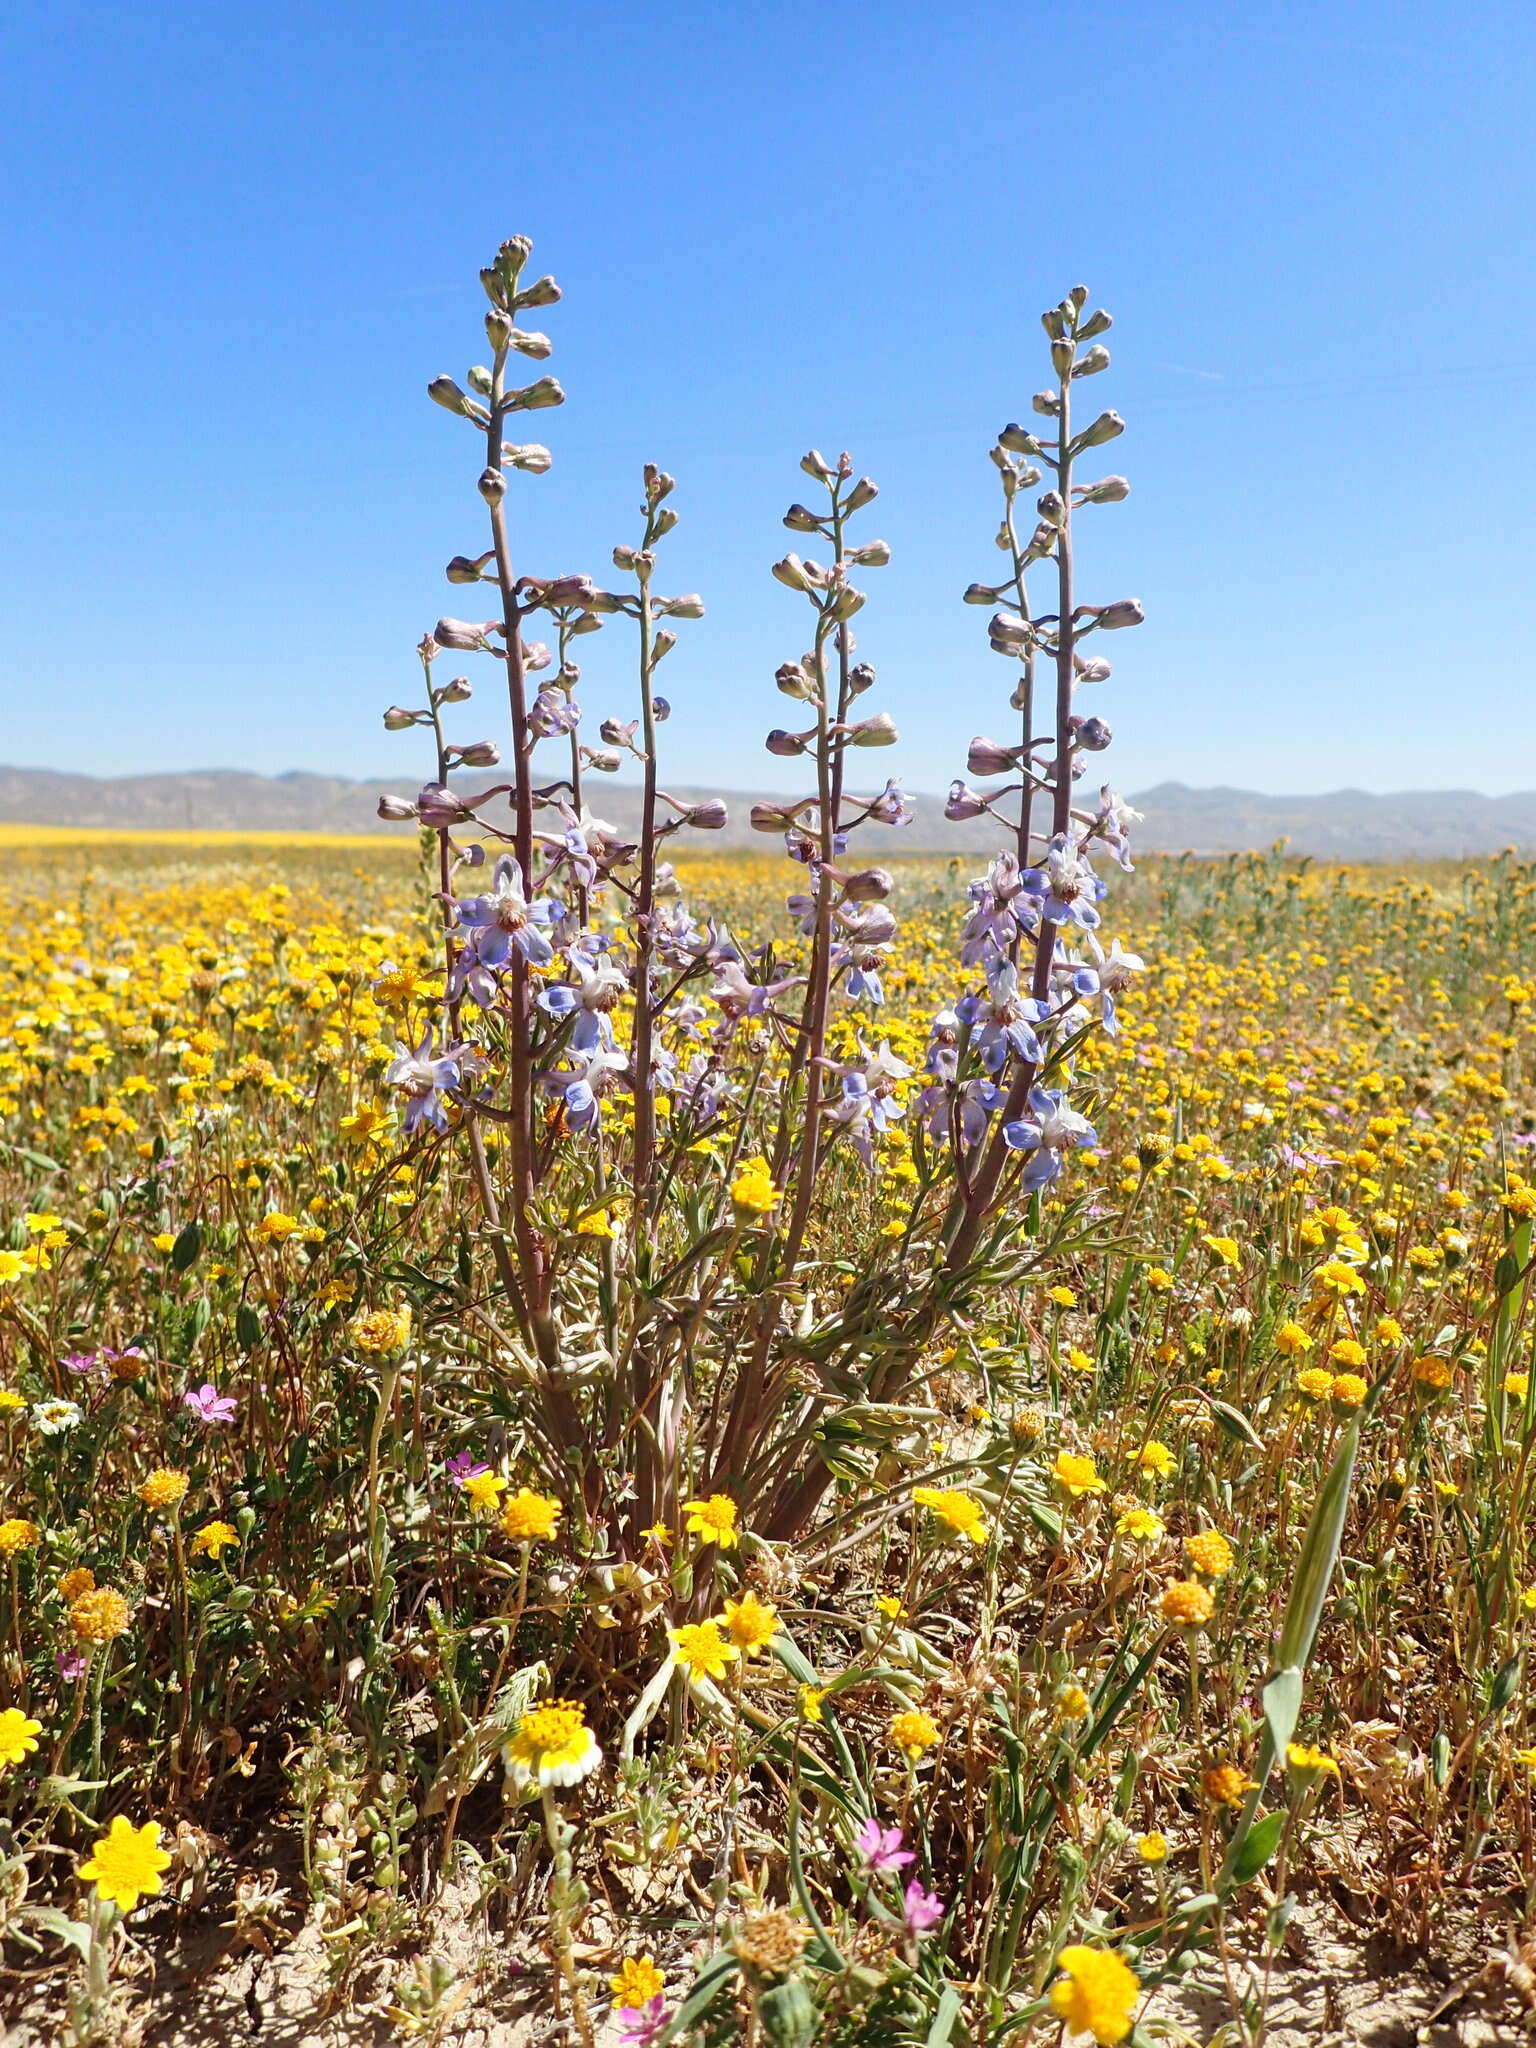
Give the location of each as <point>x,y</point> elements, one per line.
<point>792,1463</point>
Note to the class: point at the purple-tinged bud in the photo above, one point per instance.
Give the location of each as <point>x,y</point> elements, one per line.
<point>1109,491</point>
<point>1091,668</point>
<point>542,292</point>
<point>879,731</point>
<point>479,754</point>
<point>1090,364</point>
<point>1053,508</point>
<point>616,732</point>
<point>1019,441</point>
<point>1096,323</point>
<point>1009,635</point>
<point>1126,611</point>
<point>532,457</point>
<point>869,885</point>
<point>395,809</point>
<point>1055,322</point>
<point>1046,402</point>
<point>437,806</point>
<point>1062,353</point>
<point>626,557</point>
<point>1077,298</point>
<point>535,397</point>
<point>492,486</point>
<point>788,744</point>
<point>398,719</point>
<point>772,817</point>
<point>1105,428</point>
<point>861,677</point>
<point>661,710</point>
<point>457,690</point>
<point>444,392</point>
<point>464,637</point>
<point>464,569</point>
<point>793,681</point>
<point>864,492</point>
<point>512,255</point>
<point>658,484</point>
<point>792,572</point>
<point>538,346</point>
<point>561,590</point>
<point>847,602</point>
<point>495,287</point>
<point>982,593</point>
<point>874,554</point>
<point>1093,733</point>
<point>662,522</point>
<point>800,519</point>
<point>1042,541</point>
<point>815,464</point>
<point>986,757</point>
<point>603,759</point>
<point>689,606</point>
<point>536,655</point>
<point>963,803</point>
<point>662,642</point>
<point>426,649</point>
<point>709,816</point>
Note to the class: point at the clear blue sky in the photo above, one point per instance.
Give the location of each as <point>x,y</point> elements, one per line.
<point>239,242</point>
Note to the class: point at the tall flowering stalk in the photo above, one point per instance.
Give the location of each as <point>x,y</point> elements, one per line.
<point>674,1110</point>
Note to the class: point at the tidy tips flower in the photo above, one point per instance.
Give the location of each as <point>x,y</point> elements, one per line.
<point>552,1745</point>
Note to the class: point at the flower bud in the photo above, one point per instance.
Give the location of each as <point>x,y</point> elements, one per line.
<point>662,642</point>
<point>556,591</point>
<point>1061,357</point>
<point>709,816</point>
<point>533,458</point>
<point>1096,323</point>
<point>662,522</point>
<point>464,570</point>
<point>1126,611</point>
<point>963,803</point>
<point>457,690</point>
<point>542,292</point>
<point>869,885</point>
<point>538,346</point>
<point>479,379</point>
<point>1052,508</point>
<point>982,593</point>
<point>791,571</point>
<point>585,622</point>
<point>492,486</point>
<point>603,759</point>
<point>499,329</point>
<point>1110,490</point>
<point>536,654</point>
<point>479,754</point>
<point>875,554</point>
<point>771,817</point>
<point>658,484</point>
<point>615,732</point>
<point>1090,364</point>
<point>815,464</point>
<point>436,805</point>
<point>444,392</point>
<point>398,719</point>
<point>800,519</point>
<point>394,809</point>
<point>495,287</point>
<point>847,602</point>
<point>986,757</point>
<point>1014,438</point>
<point>1105,428</point>
<point>512,255</point>
<point>1092,733</point>
<point>879,731</point>
<point>552,712</point>
<point>864,492</point>
<point>1009,635</point>
<point>463,636</point>
<point>1042,541</point>
<point>534,397</point>
<point>1091,668</point>
<point>788,744</point>
<point>861,677</point>
<point>1055,322</point>
<point>690,606</point>
<point>1046,402</point>
<point>793,680</point>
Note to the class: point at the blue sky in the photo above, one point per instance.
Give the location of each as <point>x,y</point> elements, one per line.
<point>240,241</point>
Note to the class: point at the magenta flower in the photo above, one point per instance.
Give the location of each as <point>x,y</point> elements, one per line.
<point>641,2025</point>
<point>880,1848</point>
<point>71,1665</point>
<point>464,1466</point>
<point>921,1910</point>
<point>209,1405</point>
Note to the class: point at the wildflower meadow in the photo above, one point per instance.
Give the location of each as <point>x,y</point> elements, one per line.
<point>612,1443</point>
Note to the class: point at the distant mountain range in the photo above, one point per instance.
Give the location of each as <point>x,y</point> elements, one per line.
<point>1344,824</point>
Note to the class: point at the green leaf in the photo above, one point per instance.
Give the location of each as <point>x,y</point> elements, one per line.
<point>1282,1705</point>
<point>189,1242</point>
<point>1263,1840</point>
<point>1319,1554</point>
<point>51,1921</point>
<point>944,2019</point>
<point>247,1327</point>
